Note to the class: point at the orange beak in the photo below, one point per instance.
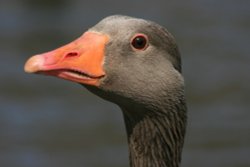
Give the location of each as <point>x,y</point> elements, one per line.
<point>80,61</point>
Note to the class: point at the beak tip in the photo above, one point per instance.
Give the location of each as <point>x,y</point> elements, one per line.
<point>33,64</point>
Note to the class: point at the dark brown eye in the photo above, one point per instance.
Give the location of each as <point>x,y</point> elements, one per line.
<point>139,42</point>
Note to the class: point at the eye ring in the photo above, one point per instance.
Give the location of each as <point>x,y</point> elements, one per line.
<point>139,42</point>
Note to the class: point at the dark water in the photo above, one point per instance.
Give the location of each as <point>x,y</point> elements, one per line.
<point>49,122</point>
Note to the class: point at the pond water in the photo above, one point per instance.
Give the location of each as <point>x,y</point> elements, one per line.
<point>49,122</point>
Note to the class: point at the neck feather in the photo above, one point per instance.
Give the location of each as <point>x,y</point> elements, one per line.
<point>156,138</point>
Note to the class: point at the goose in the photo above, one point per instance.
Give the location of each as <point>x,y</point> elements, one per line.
<point>136,64</point>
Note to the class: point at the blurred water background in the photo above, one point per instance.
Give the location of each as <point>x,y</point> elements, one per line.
<point>49,122</point>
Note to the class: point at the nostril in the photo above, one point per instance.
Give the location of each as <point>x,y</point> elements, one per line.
<point>71,54</point>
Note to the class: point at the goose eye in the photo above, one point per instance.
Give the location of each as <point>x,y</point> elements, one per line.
<point>140,42</point>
